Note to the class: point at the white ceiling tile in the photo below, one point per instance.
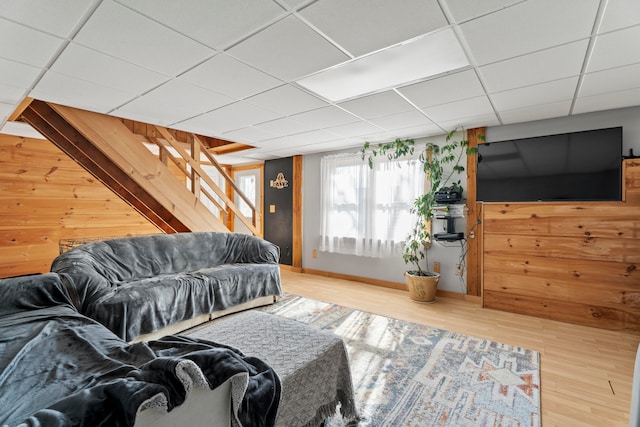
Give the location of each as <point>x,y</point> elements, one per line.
<point>324,117</point>
<point>87,64</point>
<point>355,25</point>
<point>444,89</point>
<point>65,90</point>
<point>543,93</point>
<point>209,21</point>
<point>459,109</point>
<point>313,137</point>
<point>58,17</point>
<point>287,100</point>
<point>378,105</point>
<point>482,120</point>
<point>537,112</point>
<point>527,27</point>
<point>125,34</point>
<point>340,144</point>
<point>275,143</point>
<point>21,129</point>
<point>25,45</point>
<point>250,133</point>
<point>283,126</point>
<point>376,138</point>
<point>258,155</point>
<point>288,50</point>
<point>293,4</point>
<point>402,120</point>
<point>239,158</point>
<point>15,80</point>
<point>420,131</point>
<point>5,111</point>
<point>615,50</point>
<point>619,14</point>
<point>288,152</point>
<point>463,10</point>
<point>11,94</point>
<point>551,64</point>
<point>423,57</point>
<point>226,75</point>
<point>612,80</point>
<point>230,117</point>
<point>354,129</point>
<point>185,100</point>
<point>607,101</point>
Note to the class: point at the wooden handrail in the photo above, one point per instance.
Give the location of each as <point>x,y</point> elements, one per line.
<point>195,166</point>
<point>226,176</point>
<point>166,153</point>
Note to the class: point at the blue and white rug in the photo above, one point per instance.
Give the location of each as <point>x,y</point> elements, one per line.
<point>407,374</point>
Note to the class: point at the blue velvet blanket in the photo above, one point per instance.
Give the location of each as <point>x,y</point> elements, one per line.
<point>60,368</point>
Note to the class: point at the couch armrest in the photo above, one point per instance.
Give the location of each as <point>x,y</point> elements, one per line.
<point>31,293</point>
<point>243,248</point>
<point>80,277</point>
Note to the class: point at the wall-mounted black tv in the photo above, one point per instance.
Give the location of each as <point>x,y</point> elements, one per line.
<point>577,166</point>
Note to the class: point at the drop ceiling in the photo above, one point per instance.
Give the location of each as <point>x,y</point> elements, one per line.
<point>240,70</point>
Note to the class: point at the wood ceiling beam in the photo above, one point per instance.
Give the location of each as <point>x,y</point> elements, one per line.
<point>231,147</point>
<point>214,145</point>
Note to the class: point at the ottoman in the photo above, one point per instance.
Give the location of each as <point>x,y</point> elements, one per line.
<point>312,364</point>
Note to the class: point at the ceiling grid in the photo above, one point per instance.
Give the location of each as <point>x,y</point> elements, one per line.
<point>237,70</point>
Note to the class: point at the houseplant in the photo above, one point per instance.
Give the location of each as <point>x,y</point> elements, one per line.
<point>441,164</point>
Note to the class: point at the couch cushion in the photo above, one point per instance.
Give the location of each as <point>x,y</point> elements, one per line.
<point>146,305</point>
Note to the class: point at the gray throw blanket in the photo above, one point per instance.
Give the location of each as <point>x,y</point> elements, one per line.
<point>138,285</point>
<point>60,368</point>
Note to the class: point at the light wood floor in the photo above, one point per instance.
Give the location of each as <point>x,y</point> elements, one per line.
<point>585,372</point>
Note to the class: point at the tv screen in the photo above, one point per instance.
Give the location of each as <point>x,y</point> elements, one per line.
<point>577,166</point>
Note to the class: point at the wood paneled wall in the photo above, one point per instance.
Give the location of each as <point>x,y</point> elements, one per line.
<point>573,262</point>
<point>45,196</point>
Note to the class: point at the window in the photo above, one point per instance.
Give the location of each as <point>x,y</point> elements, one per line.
<point>247,184</point>
<point>366,211</point>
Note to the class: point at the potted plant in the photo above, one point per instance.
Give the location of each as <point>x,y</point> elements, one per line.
<point>441,163</point>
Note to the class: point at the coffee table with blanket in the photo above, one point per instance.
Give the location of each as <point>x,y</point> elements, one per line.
<point>312,364</point>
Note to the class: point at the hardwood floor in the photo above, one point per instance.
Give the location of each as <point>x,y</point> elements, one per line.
<point>586,373</point>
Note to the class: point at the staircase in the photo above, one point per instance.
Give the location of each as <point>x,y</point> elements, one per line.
<point>111,152</point>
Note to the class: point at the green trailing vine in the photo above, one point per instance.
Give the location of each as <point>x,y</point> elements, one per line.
<point>434,159</point>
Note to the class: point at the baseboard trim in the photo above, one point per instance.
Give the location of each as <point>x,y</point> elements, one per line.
<point>367,280</point>
<point>457,295</point>
<point>290,268</point>
<point>386,284</point>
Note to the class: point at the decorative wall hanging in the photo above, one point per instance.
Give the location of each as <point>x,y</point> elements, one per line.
<point>279,182</point>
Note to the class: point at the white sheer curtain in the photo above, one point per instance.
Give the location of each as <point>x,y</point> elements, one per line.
<point>366,211</point>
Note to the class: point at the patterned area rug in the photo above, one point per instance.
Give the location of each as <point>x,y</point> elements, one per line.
<point>406,374</point>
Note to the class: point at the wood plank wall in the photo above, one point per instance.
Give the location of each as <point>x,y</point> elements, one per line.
<point>44,197</point>
<point>573,262</point>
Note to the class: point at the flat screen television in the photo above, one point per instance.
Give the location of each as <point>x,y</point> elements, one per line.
<point>576,166</point>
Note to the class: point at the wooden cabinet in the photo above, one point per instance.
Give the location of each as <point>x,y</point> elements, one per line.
<point>574,262</point>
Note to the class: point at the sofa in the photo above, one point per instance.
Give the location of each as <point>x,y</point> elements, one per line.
<point>634,411</point>
<point>144,287</point>
<point>61,368</point>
